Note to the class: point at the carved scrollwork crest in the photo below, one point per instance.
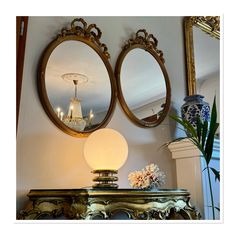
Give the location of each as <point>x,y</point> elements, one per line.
<point>209,24</point>
<point>147,40</point>
<point>91,32</point>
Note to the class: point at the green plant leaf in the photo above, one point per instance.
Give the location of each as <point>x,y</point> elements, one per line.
<point>191,129</point>
<point>178,139</point>
<point>213,113</point>
<point>216,172</point>
<point>211,135</point>
<point>173,141</point>
<point>203,136</point>
<point>210,142</point>
<point>204,133</point>
<point>191,132</point>
<point>197,144</point>
<point>217,208</point>
<point>199,128</point>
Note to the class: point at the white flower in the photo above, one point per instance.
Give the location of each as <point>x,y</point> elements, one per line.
<point>149,177</point>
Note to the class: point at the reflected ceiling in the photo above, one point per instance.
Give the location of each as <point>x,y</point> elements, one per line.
<point>206,53</point>
<point>142,79</point>
<point>77,57</point>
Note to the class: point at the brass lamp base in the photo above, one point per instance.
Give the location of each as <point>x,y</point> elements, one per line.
<point>105,179</point>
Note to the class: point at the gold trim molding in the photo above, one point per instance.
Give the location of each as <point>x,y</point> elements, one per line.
<point>208,24</point>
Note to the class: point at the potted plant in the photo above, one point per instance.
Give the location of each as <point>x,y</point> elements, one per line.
<point>202,135</point>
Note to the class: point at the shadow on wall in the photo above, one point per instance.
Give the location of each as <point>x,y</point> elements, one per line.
<point>141,155</point>
<point>146,148</point>
<point>175,131</point>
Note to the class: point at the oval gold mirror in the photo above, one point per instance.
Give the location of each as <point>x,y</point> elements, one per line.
<point>143,83</point>
<point>75,80</point>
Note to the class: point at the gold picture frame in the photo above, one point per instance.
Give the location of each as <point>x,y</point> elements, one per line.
<point>208,24</point>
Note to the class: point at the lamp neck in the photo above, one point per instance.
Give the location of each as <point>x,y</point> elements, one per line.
<point>105,179</point>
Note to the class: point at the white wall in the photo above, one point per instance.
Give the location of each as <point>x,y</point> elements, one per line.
<point>49,158</point>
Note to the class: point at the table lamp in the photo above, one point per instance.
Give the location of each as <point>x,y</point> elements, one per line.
<point>105,151</point>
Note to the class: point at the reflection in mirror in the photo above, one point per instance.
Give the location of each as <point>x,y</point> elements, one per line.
<point>142,75</point>
<point>207,66</point>
<point>78,85</point>
<point>143,83</point>
<point>210,25</point>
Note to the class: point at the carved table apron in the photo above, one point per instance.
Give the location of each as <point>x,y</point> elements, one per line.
<point>87,204</point>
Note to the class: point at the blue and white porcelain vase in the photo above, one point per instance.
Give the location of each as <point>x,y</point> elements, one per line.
<point>194,107</point>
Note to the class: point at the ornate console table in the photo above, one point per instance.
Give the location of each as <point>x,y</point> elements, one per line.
<point>87,204</point>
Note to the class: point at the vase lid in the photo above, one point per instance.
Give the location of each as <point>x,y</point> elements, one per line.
<point>193,97</point>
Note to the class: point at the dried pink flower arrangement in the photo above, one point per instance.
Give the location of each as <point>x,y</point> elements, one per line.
<point>147,178</point>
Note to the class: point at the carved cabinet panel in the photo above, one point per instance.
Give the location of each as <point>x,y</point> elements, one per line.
<point>89,204</point>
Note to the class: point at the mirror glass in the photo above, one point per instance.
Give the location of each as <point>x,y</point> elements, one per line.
<point>77,85</point>
<point>143,85</point>
<point>207,66</point>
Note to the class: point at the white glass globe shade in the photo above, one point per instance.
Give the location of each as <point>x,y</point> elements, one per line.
<point>105,149</point>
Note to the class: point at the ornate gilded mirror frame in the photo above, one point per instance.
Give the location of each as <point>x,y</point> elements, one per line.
<point>210,25</point>
<point>90,35</point>
<point>147,42</point>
